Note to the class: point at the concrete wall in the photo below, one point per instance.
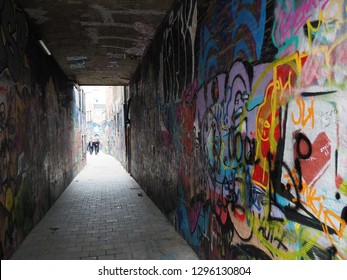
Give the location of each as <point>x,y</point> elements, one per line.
<point>238,127</point>
<point>41,122</point>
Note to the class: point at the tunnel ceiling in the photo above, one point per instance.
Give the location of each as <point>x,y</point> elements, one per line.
<point>96,42</point>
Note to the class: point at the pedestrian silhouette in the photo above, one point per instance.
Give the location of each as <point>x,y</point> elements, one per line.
<point>96,146</point>
<point>90,147</point>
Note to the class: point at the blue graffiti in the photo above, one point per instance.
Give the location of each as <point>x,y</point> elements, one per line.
<point>255,24</point>
<point>208,62</point>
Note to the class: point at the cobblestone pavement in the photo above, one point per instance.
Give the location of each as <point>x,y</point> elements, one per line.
<point>104,215</point>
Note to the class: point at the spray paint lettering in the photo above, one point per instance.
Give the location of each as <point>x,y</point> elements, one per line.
<point>266,169</point>
<point>259,139</point>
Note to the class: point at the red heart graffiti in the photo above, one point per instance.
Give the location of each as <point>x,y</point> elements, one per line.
<point>313,167</point>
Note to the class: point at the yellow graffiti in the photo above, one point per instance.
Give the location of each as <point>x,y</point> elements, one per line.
<point>343,187</point>
<point>311,30</point>
<point>324,40</point>
<point>286,237</point>
<point>329,20</point>
<point>314,203</point>
<point>9,199</point>
<point>280,89</point>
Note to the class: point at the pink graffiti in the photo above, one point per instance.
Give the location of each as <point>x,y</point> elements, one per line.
<point>322,68</point>
<point>289,21</point>
<point>193,215</point>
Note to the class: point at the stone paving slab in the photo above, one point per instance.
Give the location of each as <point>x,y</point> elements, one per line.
<point>104,214</point>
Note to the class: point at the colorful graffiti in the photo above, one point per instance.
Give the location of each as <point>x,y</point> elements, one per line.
<point>37,131</point>
<point>13,42</point>
<point>260,127</point>
<point>272,167</point>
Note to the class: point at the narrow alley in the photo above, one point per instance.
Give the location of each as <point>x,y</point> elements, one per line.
<point>223,129</point>
<point>104,214</point>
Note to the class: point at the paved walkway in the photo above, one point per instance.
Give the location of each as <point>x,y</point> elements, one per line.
<point>104,214</point>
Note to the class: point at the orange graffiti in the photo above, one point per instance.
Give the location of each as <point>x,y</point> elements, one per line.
<point>304,116</point>
<point>327,218</point>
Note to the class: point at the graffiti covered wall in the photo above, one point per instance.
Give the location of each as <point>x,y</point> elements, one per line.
<point>40,130</point>
<point>114,126</point>
<point>238,127</point>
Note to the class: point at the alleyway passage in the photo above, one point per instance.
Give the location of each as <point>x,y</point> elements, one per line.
<point>104,214</point>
